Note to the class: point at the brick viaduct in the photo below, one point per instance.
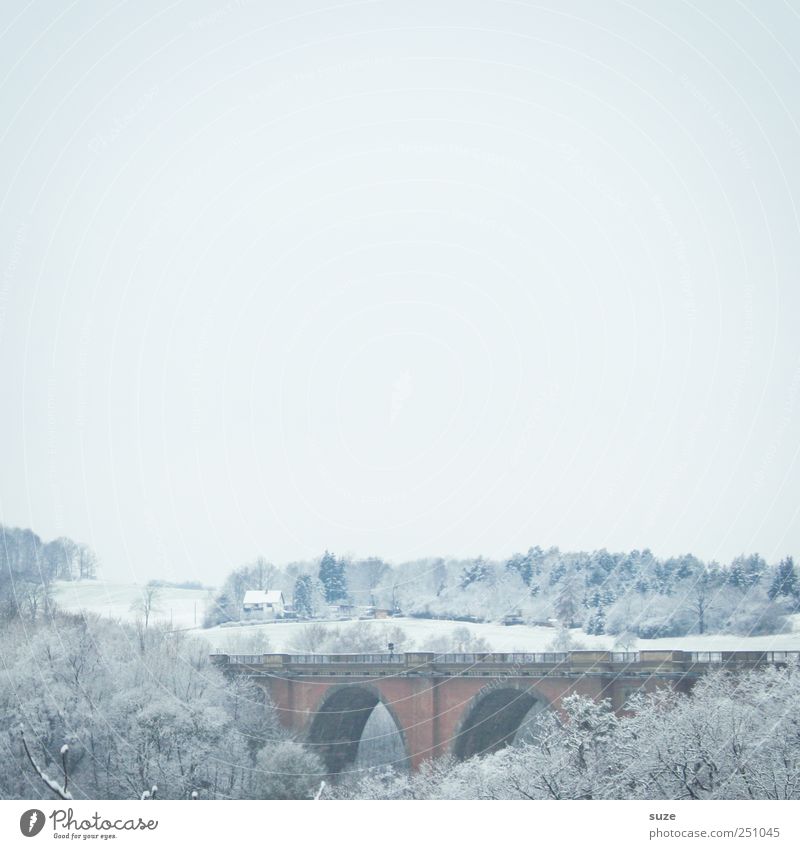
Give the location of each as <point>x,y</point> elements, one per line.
<point>459,704</point>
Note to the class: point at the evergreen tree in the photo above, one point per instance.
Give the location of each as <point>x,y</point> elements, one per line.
<point>476,570</point>
<point>688,565</point>
<point>596,623</point>
<point>332,575</point>
<point>602,564</point>
<point>527,565</point>
<point>785,582</point>
<point>558,572</point>
<point>519,563</point>
<point>304,596</point>
<point>746,572</point>
<point>220,609</point>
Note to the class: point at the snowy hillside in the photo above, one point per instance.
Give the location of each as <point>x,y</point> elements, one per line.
<point>184,608</point>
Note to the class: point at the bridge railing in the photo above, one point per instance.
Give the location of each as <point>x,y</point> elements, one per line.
<point>347,658</point>
<point>502,657</point>
<point>577,661</point>
<point>745,658</point>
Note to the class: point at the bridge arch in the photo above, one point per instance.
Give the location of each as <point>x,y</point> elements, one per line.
<point>338,725</point>
<point>494,718</point>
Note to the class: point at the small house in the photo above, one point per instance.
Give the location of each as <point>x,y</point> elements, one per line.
<point>264,603</point>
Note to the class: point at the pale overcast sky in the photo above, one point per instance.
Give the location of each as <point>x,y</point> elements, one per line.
<point>399,278</point>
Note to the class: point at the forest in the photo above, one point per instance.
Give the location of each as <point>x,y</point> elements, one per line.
<point>29,566</point>
<point>137,708</point>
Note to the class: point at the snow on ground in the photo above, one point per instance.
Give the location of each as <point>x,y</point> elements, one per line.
<point>523,638</point>
<point>116,600</point>
<point>184,608</point>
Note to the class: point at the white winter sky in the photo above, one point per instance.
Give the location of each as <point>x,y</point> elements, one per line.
<point>399,278</point>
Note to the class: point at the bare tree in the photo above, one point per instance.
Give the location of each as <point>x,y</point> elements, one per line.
<point>701,601</point>
<point>87,563</point>
<point>310,638</point>
<point>148,603</point>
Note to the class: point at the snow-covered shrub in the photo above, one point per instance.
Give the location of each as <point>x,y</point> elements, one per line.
<point>663,617</point>
<point>459,640</point>
<point>286,770</point>
<point>564,641</point>
<point>757,616</point>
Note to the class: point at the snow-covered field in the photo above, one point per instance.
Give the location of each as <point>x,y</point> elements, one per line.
<point>502,638</point>
<point>184,608</point>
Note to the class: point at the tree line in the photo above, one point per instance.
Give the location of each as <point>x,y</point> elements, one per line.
<point>29,566</point>
<point>603,592</point>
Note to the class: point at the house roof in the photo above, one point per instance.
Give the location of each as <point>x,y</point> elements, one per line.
<point>263,597</point>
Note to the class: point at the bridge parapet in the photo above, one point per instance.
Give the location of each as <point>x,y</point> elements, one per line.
<point>505,664</point>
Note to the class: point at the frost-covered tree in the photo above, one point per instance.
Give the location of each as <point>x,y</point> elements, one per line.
<point>357,637</point>
<point>702,597</point>
<point>474,572</point>
<point>304,596</point>
<point>147,603</point>
<point>564,641</point>
<point>568,598</point>
<point>746,571</point>
<point>596,623</point>
<point>785,583</point>
<point>755,614</point>
<point>133,715</point>
<point>26,574</point>
<point>286,770</point>
<point>364,579</point>
<point>310,638</point>
<point>636,591</point>
<point>68,560</point>
<point>333,578</point>
<point>528,565</point>
<point>464,640</point>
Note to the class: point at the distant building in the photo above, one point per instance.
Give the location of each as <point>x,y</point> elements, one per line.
<point>513,618</point>
<point>264,602</point>
<point>368,612</point>
<point>342,610</point>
